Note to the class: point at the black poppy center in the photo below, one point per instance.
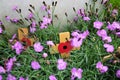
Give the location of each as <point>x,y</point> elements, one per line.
<point>64,47</point>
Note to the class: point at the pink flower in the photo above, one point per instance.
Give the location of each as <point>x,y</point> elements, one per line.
<point>44,55</point>
<point>32,29</point>
<point>1,30</point>
<point>118,74</point>
<point>114,12</point>
<point>10,64</point>
<point>52,77</point>
<point>35,65</point>
<point>1,77</point>
<point>116,25</point>
<point>98,24</point>
<point>13,37</point>
<point>75,42</point>
<point>75,18</point>
<point>30,15</point>
<point>22,78</point>
<point>18,47</point>
<point>110,27</point>
<point>43,7</point>
<point>61,65</point>
<point>11,77</point>
<point>15,20</point>
<point>75,34</point>
<point>47,20</point>
<point>86,18</point>
<point>50,43</point>
<point>109,48</point>
<point>43,26</point>
<point>101,67</point>
<point>7,18</point>
<point>102,33</point>
<point>38,47</point>
<point>81,12</point>
<point>76,73</point>
<point>15,8</point>
<point>2,70</point>
<point>107,39</point>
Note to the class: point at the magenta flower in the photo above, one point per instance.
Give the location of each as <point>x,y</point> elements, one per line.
<point>15,8</point>
<point>35,65</point>
<point>109,48</point>
<point>1,30</point>
<point>110,27</point>
<point>98,24</point>
<point>116,25</point>
<point>102,33</point>
<point>1,77</point>
<point>107,39</point>
<point>50,43</point>
<point>61,65</point>
<point>11,77</point>
<point>10,64</point>
<point>76,73</point>
<point>18,47</point>
<point>86,18</point>
<point>118,74</point>
<point>38,47</point>
<point>52,77</point>
<point>81,12</point>
<point>101,67</point>
<point>30,15</point>
<point>2,70</point>
<point>44,55</point>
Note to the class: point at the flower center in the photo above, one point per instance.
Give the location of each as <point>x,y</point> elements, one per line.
<point>64,47</point>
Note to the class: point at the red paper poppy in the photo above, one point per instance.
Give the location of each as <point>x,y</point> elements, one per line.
<point>26,42</point>
<point>65,47</point>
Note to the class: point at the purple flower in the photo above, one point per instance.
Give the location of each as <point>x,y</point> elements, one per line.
<point>18,47</point>
<point>43,7</point>
<point>75,34</point>
<point>33,24</point>
<point>109,48</point>
<point>61,65</point>
<point>35,65</point>
<point>15,8</point>
<point>1,30</point>
<point>107,39</point>
<point>104,1</point>
<point>81,12</point>
<point>101,67</point>
<point>86,18</point>
<point>47,20</point>
<point>116,25</point>
<point>76,73</point>
<point>110,27</point>
<point>30,15</point>
<point>11,77</point>
<point>32,29</point>
<point>7,18</point>
<point>10,64</point>
<point>15,20</point>
<point>114,12</point>
<point>98,24</point>
<point>2,70</point>
<point>118,74</point>
<point>22,78</point>
<point>1,23</point>
<point>50,43</point>
<point>76,42</point>
<point>44,55</point>
<point>75,18</point>
<point>13,37</point>
<point>52,77</point>
<point>38,47</point>
<point>102,33</point>
<point>43,26</point>
<point>1,77</point>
